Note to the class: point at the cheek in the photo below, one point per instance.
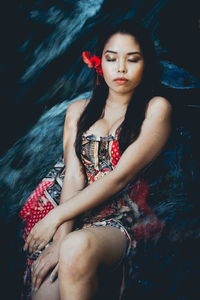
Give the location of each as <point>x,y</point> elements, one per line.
<point>106,72</point>
<point>138,74</point>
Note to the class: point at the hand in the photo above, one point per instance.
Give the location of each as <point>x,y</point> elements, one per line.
<point>41,233</point>
<point>47,261</point>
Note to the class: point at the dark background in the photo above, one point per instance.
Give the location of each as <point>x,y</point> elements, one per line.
<point>42,72</point>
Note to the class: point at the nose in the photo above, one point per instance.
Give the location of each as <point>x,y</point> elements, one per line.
<point>122,66</point>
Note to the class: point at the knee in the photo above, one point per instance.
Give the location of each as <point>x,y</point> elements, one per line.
<point>77,255</point>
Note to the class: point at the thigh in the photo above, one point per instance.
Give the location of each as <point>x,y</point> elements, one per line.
<point>48,290</point>
<point>109,244</point>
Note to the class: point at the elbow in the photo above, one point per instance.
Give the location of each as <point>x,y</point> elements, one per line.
<point>120,181</point>
<point>123,177</point>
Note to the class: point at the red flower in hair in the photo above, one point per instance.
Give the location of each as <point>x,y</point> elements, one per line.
<point>93,62</point>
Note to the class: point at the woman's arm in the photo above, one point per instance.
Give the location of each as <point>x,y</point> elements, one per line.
<point>73,182</point>
<point>153,136</point>
<point>155,131</point>
<point>74,179</point>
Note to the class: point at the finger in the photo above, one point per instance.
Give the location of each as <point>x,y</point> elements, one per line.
<point>40,269</point>
<point>41,275</point>
<point>42,245</point>
<point>27,241</point>
<point>54,274</point>
<point>33,268</point>
<point>32,246</point>
<point>31,243</point>
<point>33,276</point>
<point>37,263</point>
<point>36,266</point>
<point>36,275</point>
<point>41,259</point>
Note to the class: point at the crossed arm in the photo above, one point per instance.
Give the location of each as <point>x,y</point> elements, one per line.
<point>155,131</point>
<point>47,262</point>
<point>74,179</point>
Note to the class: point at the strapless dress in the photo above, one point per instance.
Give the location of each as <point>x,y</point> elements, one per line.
<point>124,210</point>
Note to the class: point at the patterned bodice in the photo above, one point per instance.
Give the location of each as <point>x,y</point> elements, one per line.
<point>100,155</point>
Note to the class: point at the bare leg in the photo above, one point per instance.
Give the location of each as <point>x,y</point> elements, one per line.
<point>82,253</point>
<point>48,290</point>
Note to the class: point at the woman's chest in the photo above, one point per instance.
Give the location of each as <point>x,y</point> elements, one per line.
<point>100,152</point>
<point>104,127</point>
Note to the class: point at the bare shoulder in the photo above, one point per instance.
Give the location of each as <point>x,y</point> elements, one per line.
<point>159,107</point>
<point>75,109</point>
<point>72,116</point>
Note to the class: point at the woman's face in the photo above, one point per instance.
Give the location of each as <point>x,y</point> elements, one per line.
<point>122,58</point>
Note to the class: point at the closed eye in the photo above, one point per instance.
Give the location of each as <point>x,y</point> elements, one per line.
<point>131,60</point>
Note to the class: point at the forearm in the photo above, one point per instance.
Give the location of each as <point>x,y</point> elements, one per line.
<point>63,230</point>
<point>70,189</point>
<point>92,196</point>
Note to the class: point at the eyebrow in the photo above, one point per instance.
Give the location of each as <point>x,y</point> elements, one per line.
<point>129,53</point>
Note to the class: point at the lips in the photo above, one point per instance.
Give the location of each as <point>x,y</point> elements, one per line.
<point>121,80</point>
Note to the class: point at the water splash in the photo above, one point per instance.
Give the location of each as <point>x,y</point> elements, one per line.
<point>66,29</point>
<point>32,156</point>
<point>176,77</point>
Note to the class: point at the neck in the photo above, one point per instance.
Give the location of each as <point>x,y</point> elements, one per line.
<point>116,104</point>
<point>116,99</point>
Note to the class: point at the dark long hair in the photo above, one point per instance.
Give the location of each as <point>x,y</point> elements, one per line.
<point>148,87</point>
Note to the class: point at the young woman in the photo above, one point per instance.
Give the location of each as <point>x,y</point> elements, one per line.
<point>108,142</point>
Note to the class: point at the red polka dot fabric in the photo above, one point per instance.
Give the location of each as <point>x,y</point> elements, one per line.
<point>37,205</point>
<point>115,153</point>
